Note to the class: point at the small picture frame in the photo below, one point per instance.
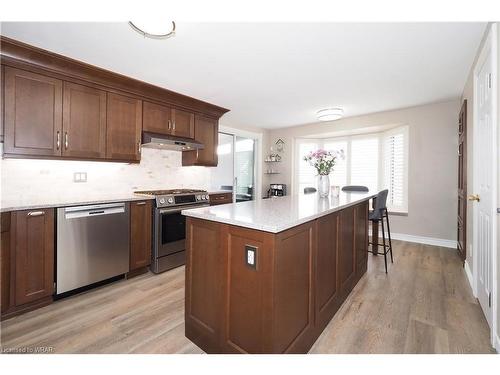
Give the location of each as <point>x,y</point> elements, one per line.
<point>280,145</point>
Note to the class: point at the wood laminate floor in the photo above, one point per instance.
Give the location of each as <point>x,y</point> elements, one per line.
<point>424,305</point>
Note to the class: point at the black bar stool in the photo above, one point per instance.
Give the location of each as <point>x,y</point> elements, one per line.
<point>378,214</point>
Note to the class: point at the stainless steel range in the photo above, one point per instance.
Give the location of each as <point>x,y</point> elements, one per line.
<point>169,226</point>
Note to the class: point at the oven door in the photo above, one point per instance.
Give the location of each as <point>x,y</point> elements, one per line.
<point>171,230</point>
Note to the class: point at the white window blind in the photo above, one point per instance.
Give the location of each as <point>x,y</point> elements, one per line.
<point>339,175</point>
<point>378,161</point>
<point>364,162</point>
<point>306,174</point>
<point>395,169</point>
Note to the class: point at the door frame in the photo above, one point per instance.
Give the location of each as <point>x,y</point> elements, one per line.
<point>257,153</point>
<point>490,46</point>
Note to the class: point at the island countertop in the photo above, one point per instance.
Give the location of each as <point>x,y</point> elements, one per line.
<point>278,213</point>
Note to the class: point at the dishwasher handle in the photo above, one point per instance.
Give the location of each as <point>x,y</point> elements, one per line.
<point>96,210</point>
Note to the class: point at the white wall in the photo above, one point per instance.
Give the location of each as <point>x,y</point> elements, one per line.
<point>432,180</point>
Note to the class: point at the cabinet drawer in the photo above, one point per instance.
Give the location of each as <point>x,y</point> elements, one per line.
<point>221,198</point>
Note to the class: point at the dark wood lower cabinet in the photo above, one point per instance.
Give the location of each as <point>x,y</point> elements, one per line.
<point>140,234</point>
<point>28,259</point>
<point>300,279</point>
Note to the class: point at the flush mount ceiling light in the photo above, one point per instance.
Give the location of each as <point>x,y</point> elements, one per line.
<point>330,114</point>
<point>153,29</point>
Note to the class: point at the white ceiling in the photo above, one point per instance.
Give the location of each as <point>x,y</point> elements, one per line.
<point>279,74</point>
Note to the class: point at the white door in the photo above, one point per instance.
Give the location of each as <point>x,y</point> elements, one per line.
<point>484,184</point>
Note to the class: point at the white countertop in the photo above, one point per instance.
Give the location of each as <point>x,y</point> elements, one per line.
<point>279,213</point>
<point>49,201</point>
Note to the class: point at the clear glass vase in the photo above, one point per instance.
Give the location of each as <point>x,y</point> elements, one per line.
<point>324,185</point>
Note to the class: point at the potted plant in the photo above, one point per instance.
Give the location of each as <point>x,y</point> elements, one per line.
<point>323,161</point>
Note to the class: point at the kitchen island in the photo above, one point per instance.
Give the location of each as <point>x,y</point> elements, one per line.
<point>267,276</point>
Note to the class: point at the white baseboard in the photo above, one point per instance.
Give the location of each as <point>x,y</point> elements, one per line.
<point>452,244</point>
<point>470,279</point>
<point>497,343</point>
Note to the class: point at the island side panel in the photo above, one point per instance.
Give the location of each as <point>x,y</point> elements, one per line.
<point>347,254</point>
<point>361,238</point>
<point>327,289</point>
<point>293,283</point>
<point>204,283</point>
<point>248,292</point>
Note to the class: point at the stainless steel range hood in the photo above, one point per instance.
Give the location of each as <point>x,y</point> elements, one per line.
<point>169,142</point>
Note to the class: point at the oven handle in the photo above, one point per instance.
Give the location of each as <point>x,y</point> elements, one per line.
<point>179,209</point>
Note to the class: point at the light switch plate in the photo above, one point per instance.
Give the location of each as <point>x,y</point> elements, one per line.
<point>251,256</point>
<point>80,177</point>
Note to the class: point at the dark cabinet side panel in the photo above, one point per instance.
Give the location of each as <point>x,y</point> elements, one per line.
<point>346,263</point>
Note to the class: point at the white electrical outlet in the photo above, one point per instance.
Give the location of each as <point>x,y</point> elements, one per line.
<point>251,256</point>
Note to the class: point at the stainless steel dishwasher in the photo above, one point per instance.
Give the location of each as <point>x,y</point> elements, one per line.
<point>92,244</point>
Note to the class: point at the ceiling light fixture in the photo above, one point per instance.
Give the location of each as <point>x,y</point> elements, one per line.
<point>330,114</point>
<point>154,30</point>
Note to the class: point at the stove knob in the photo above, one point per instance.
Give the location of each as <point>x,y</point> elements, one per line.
<point>170,200</point>
<point>199,197</point>
<point>162,200</point>
<point>205,197</point>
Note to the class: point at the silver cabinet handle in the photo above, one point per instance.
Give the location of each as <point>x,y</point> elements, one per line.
<point>66,142</point>
<point>140,203</point>
<point>197,152</point>
<point>169,124</point>
<point>173,125</point>
<point>139,147</point>
<point>36,213</point>
<point>58,142</point>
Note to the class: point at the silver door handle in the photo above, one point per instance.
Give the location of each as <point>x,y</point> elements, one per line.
<point>58,142</point>
<point>140,203</point>
<point>139,147</point>
<point>169,124</point>
<point>36,213</point>
<point>197,153</point>
<point>173,125</point>
<point>66,142</point>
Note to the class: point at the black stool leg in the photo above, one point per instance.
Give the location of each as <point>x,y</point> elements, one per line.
<point>383,241</point>
<point>389,233</point>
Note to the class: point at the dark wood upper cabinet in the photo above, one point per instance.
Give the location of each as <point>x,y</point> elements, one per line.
<point>183,123</point>
<point>124,124</point>
<point>165,120</point>
<point>84,121</point>
<point>33,113</point>
<point>140,234</point>
<point>34,254</point>
<point>206,131</point>
<point>157,118</point>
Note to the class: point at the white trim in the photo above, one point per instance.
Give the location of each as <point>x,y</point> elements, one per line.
<point>452,244</point>
<point>496,344</point>
<point>470,278</point>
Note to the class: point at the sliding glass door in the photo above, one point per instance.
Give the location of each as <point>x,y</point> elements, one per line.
<point>236,168</point>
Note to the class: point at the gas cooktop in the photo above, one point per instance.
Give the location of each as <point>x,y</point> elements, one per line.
<point>177,197</point>
<point>170,191</point>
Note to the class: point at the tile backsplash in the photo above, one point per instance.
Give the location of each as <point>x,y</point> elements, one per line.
<point>29,179</point>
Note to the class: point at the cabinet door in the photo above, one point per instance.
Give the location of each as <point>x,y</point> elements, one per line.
<point>33,113</point>
<point>157,118</point>
<point>84,121</point>
<point>34,254</point>
<point>140,234</point>
<point>183,123</point>
<point>206,132</point>
<point>123,130</point>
